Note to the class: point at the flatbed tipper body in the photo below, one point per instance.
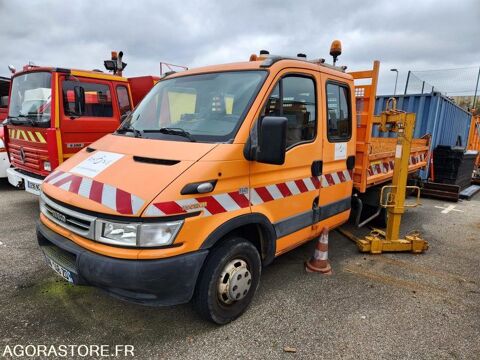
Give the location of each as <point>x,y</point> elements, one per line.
<point>375,156</point>
<point>474,138</point>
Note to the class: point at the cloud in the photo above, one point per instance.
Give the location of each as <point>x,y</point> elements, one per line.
<point>407,35</point>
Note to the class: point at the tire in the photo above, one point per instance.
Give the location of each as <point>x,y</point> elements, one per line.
<point>234,256</point>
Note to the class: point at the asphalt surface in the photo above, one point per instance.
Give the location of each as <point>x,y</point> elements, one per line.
<point>397,306</point>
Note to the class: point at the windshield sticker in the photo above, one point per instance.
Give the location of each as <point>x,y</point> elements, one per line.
<point>96,163</point>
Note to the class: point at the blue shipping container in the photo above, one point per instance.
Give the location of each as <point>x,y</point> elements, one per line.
<point>435,114</point>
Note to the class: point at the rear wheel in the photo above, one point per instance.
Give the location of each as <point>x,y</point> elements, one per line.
<point>228,281</point>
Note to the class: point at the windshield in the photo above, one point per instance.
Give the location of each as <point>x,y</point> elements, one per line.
<point>30,100</point>
<point>206,107</point>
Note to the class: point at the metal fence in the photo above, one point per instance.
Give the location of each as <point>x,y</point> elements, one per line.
<point>454,83</point>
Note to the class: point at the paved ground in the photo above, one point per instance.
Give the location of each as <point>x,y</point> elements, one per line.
<point>389,306</point>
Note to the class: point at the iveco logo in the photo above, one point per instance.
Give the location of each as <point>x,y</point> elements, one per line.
<point>58,216</point>
<point>22,155</point>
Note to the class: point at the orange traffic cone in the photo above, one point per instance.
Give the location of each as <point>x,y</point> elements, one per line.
<point>319,262</point>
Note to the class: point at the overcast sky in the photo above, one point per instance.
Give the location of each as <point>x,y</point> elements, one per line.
<point>407,35</point>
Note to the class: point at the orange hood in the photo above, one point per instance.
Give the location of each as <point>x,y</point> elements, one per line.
<point>122,175</point>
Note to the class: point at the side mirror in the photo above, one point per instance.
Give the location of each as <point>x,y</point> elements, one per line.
<point>4,101</point>
<point>268,144</point>
<point>79,93</point>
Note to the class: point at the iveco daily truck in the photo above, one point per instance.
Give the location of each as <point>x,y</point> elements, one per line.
<point>218,171</point>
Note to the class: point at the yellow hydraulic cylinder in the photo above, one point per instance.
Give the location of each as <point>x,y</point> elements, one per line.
<point>379,241</point>
<point>396,199</point>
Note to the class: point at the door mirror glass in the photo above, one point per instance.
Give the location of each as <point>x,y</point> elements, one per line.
<point>3,101</point>
<point>79,95</point>
<point>271,140</point>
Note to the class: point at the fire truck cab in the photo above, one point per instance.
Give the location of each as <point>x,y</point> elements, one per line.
<point>55,112</point>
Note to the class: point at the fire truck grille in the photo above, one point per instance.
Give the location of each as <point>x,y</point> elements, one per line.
<point>27,157</point>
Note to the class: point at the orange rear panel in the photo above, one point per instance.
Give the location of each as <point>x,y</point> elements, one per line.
<point>474,137</point>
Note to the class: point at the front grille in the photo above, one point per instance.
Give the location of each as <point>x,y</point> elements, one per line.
<point>74,221</point>
<point>33,156</point>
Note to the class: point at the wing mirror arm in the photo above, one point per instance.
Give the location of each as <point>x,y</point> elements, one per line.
<point>79,99</point>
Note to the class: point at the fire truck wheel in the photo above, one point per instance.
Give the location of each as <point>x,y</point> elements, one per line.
<point>228,281</point>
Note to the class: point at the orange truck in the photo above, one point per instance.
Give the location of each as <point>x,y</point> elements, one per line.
<point>474,140</point>
<point>216,173</point>
<point>56,112</point>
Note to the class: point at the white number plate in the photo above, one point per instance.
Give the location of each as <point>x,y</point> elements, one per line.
<point>33,188</point>
<point>60,270</point>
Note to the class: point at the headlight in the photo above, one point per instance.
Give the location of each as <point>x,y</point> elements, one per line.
<point>136,234</point>
<point>158,234</point>
<point>47,166</point>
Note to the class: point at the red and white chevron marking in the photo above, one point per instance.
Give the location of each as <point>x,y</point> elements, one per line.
<point>385,167</point>
<point>232,201</point>
<point>116,199</point>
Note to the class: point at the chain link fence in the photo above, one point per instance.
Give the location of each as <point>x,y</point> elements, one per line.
<point>460,84</point>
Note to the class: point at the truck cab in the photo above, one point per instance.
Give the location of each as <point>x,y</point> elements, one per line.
<point>218,171</point>
<point>4,91</point>
<point>55,112</point>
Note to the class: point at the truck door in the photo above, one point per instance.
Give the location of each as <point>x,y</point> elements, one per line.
<point>100,117</point>
<point>286,193</point>
<point>338,152</point>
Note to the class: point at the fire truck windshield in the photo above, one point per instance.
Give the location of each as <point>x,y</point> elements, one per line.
<point>30,101</point>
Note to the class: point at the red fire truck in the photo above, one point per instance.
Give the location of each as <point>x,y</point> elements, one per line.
<point>55,112</point>
<point>4,90</point>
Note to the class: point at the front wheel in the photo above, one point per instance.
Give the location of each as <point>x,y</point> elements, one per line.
<point>228,281</point>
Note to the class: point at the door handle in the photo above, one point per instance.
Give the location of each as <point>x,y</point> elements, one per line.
<point>351,162</point>
<point>317,168</point>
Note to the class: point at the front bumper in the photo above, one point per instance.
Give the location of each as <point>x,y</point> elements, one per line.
<point>19,180</point>
<point>161,282</point>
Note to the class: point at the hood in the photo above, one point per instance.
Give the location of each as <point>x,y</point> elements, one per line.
<point>121,175</point>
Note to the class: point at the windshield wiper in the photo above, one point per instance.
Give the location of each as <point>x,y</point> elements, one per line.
<point>20,117</point>
<point>128,128</point>
<point>172,131</point>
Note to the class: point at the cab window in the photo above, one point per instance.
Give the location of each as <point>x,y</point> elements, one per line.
<point>123,99</point>
<point>339,127</point>
<point>294,98</point>
<point>98,99</point>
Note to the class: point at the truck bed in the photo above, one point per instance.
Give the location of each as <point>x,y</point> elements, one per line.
<point>375,156</point>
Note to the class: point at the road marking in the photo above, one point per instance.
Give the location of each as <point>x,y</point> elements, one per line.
<point>448,209</point>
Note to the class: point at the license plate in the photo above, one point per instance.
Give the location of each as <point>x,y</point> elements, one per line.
<point>33,187</point>
<point>60,270</point>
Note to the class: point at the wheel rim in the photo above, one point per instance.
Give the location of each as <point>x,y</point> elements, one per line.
<point>234,282</point>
